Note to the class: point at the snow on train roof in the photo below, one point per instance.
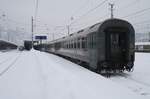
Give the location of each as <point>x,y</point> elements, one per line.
<point>142,43</point>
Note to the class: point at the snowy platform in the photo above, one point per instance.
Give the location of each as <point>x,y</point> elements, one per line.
<point>38,75</point>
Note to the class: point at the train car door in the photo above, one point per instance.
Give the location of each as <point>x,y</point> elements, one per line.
<point>117,46</point>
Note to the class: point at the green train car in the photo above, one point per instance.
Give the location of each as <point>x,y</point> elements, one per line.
<point>105,46</point>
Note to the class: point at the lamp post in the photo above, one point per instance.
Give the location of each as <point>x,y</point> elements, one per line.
<point>68,26</point>
<point>32,30</point>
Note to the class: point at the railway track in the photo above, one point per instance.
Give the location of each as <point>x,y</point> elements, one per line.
<point>6,64</point>
<point>135,80</point>
<point>6,60</point>
<point>135,85</point>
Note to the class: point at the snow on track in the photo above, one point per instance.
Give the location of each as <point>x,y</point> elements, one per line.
<point>137,81</point>
<point>7,61</point>
<point>38,75</point>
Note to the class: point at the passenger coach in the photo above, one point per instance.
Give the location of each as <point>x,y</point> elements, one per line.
<point>107,46</point>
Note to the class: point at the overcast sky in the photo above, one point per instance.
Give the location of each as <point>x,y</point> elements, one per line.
<point>55,15</point>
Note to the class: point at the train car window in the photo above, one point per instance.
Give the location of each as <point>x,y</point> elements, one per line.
<point>84,43</point>
<point>67,45</point>
<point>75,43</point>
<point>88,42</point>
<point>78,43</point>
<point>94,40</point>
<point>91,41</point>
<point>62,44</point>
<point>71,43</point>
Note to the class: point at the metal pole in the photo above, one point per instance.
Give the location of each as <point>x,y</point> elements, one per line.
<point>112,9</point>
<point>32,29</point>
<point>68,27</point>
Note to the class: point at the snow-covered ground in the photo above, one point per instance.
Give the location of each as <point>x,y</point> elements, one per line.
<point>137,81</point>
<point>38,75</point>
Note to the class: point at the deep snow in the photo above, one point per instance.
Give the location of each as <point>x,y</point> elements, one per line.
<point>39,75</point>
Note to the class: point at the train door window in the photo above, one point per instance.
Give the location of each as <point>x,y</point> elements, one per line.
<point>114,40</point>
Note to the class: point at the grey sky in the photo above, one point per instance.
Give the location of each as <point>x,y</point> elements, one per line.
<point>53,13</point>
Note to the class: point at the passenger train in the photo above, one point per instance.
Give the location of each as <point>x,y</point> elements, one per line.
<point>105,46</point>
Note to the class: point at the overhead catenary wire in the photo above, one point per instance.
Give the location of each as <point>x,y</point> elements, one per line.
<point>129,5</point>
<point>91,21</point>
<point>16,22</point>
<point>81,7</point>
<point>89,11</point>
<point>11,20</point>
<point>141,22</point>
<point>135,13</point>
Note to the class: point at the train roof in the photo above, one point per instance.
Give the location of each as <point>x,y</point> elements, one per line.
<point>84,32</point>
<point>5,41</point>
